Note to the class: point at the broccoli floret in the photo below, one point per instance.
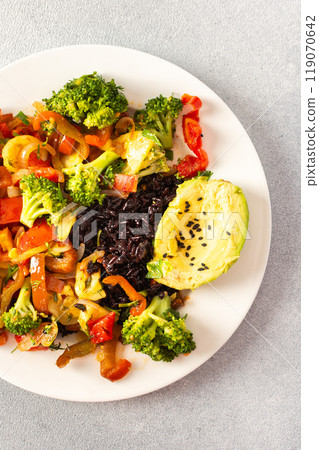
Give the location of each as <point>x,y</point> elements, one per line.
<point>89,100</point>
<point>22,317</point>
<point>83,181</point>
<point>112,170</point>
<point>41,197</point>
<point>48,127</point>
<point>159,117</point>
<point>159,332</point>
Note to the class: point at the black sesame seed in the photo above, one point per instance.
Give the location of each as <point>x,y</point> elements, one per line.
<point>191,264</point>
<point>203,264</point>
<point>164,255</point>
<point>200,269</point>
<point>180,233</point>
<point>189,247</point>
<point>187,254</point>
<point>192,259</point>
<point>197,220</point>
<point>209,227</point>
<point>182,238</point>
<point>204,213</point>
<point>204,245</point>
<point>227,232</point>
<point>199,230</point>
<point>196,226</point>
<point>200,238</point>
<point>199,199</point>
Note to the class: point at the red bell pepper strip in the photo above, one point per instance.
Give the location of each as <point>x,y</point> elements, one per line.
<point>132,294</point>
<point>120,370</point>
<point>101,330</point>
<point>66,145</point>
<point>192,100</point>
<point>39,234</point>
<point>5,177</point>
<point>10,210</point>
<point>39,290</point>
<point>32,349</point>
<point>47,172</point>
<point>192,131</point>
<point>100,138</point>
<point>125,183</point>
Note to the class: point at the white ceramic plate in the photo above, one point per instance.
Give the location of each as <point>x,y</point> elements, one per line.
<point>214,312</point>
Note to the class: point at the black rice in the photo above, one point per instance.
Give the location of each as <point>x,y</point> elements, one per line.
<point>128,256</point>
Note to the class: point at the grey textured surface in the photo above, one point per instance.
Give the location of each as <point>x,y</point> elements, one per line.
<point>247,395</point>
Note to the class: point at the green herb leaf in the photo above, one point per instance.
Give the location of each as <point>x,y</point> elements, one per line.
<point>35,284</point>
<point>205,173</point>
<point>23,118</point>
<point>57,346</point>
<point>4,141</point>
<point>149,135</point>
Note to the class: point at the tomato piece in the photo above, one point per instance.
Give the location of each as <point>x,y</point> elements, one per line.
<point>54,284</point>
<point>125,183</point>
<point>101,330</point>
<point>66,145</point>
<point>10,210</point>
<point>100,138</point>
<point>192,133</point>
<point>39,290</point>
<point>3,338</point>
<point>41,233</point>
<point>4,129</point>
<point>191,165</point>
<point>121,368</point>
<point>34,161</point>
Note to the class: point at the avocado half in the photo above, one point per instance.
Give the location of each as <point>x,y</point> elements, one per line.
<point>200,235</point>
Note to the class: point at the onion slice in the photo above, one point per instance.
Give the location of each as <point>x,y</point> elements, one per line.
<point>123,124</point>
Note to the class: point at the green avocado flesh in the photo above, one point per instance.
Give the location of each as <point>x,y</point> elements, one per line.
<point>200,235</point>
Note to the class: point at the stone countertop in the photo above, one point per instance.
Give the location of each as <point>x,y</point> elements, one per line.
<point>247,395</point>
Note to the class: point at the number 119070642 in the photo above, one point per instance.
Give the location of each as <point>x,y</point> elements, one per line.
<point>310,48</point>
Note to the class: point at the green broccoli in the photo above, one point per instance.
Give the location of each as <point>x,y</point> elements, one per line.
<point>159,117</point>
<point>89,100</point>
<point>41,197</point>
<point>83,182</point>
<point>112,170</point>
<point>22,317</point>
<point>159,332</point>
